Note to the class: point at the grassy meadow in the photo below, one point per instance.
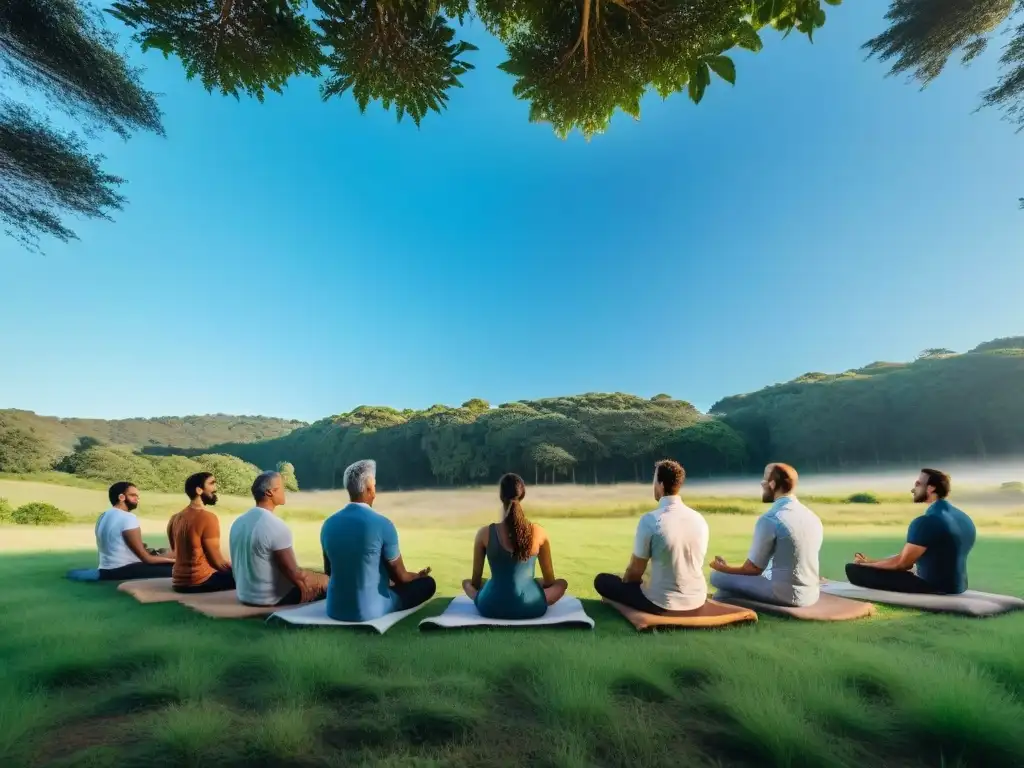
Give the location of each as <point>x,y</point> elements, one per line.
<point>91,678</point>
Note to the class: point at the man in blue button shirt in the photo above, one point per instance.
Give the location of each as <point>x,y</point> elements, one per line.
<point>938,543</point>
<point>367,575</point>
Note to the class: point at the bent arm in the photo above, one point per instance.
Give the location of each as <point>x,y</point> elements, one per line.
<point>327,563</point>
<point>547,569</point>
<point>286,563</point>
<point>635,569</point>
<point>133,540</point>
<point>398,572</point>
<point>904,561</point>
<point>747,569</point>
<point>211,547</point>
<point>170,538</point>
<point>479,554</point>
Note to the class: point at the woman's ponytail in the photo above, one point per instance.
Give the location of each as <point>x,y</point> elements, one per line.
<point>512,491</point>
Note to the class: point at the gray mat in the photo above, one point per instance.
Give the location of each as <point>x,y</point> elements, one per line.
<point>969,603</point>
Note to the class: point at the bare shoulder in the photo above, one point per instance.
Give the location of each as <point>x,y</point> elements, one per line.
<point>540,536</point>
<point>483,533</point>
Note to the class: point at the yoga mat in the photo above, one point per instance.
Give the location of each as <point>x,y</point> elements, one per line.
<point>83,574</point>
<point>969,603</point>
<point>828,607</point>
<point>461,613</point>
<point>225,605</point>
<point>315,615</point>
<point>150,590</point>
<point>708,616</point>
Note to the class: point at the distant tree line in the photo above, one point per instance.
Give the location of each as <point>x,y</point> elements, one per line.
<point>941,406</point>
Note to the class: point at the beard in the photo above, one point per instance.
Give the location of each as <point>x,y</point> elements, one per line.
<point>209,499</point>
<point>919,498</point>
<point>767,497</point>
<point>131,504</point>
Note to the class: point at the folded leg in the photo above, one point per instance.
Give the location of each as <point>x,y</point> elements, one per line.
<point>889,581</point>
<point>612,587</point>
<point>754,587</point>
<point>415,592</point>
<point>137,571</point>
<point>555,591</point>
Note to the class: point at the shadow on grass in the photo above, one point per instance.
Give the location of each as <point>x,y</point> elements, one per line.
<point>89,677</point>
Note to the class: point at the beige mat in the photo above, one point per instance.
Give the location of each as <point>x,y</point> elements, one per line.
<point>217,605</point>
<point>150,590</point>
<point>225,605</point>
<point>828,607</point>
<point>708,616</point>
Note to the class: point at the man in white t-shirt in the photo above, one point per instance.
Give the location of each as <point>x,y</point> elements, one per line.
<point>782,566</point>
<point>673,539</point>
<point>122,553</point>
<point>262,557</point>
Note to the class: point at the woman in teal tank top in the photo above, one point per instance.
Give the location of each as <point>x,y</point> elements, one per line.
<point>512,549</point>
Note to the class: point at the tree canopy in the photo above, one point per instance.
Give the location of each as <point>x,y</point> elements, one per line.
<point>575,61</point>
<point>923,35</point>
<point>58,50</point>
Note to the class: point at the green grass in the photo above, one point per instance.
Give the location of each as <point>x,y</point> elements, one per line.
<point>88,677</point>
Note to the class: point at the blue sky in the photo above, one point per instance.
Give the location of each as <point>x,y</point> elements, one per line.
<point>297,259</point>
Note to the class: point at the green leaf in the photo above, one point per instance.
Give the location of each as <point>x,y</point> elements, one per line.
<point>746,37</point>
<point>834,2</point>
<point>699,80</point>
<point>723,67</point>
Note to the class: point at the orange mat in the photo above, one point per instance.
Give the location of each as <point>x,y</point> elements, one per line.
<point>708,616</point>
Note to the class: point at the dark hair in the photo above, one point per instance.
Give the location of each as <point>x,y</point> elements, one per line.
<point>938,480</point>
<point>671,476</point>
<point>784,477</point>
<point>116,490</point>
<point>512,491</point>
<point>198,480</point>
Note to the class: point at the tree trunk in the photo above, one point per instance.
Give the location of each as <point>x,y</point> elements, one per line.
<point>574,475</point>
<point>536,474</point>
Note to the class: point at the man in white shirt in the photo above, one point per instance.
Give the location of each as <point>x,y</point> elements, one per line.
<point>674,540</point>
<point>262,556</point>
<point>782,566</point>
<point>123,556</point>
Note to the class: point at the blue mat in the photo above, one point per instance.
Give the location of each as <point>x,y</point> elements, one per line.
<point>83,574</point>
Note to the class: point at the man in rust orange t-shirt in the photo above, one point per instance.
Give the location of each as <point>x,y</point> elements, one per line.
<point>194,535</point>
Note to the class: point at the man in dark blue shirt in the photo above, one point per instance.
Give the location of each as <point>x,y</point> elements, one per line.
<point>938,542</point>
<point>367,575</point>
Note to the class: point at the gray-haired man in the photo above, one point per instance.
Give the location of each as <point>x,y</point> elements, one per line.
<point>361,555</point>
<point>262,556</point>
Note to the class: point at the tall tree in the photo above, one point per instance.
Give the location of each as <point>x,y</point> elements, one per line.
<point>578,61</point>
<point>395,52</point>
<point>58,50</point>
<point>234,46</point>
<point>924,34</point>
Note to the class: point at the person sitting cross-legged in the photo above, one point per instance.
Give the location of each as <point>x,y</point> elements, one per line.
<point>122,553</point>
<point>194,535</point>
<point>368,577</point>
<point>674,540</point>
<point>782,565</point>
<point>512,550</point>
<point>262,556</point>
<point>938,543</point>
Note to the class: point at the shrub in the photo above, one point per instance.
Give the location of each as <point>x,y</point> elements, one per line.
<point>234,476</point>
<point>1012,487</point>
<point>6,510</point>
<point>863,497</point>
<point>38,513</point>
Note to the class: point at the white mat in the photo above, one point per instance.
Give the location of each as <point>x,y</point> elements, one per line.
<point>969,603</point>
<point>315,614</point>
<point>462,613</point>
